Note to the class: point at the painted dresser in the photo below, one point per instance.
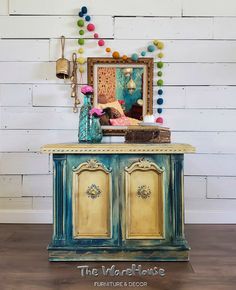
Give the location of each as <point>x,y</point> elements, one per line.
<point>118,202</point>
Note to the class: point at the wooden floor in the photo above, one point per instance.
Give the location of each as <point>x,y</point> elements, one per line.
<point>24,265</point>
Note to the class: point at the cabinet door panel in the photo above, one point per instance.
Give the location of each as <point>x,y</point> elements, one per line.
<point>91,202</point>
<point>93,199</point>
<point>145,217</point>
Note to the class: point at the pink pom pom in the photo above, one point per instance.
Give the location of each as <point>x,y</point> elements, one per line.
<point>101,42</point>
<point>95,35</point>
<point>159,120</point>
<point>90,27</point>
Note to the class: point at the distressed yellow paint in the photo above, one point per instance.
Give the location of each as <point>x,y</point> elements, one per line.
<point>144,216</point>
<point>91,216</point>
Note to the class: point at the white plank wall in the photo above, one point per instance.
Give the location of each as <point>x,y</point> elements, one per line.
<point>199,93</point>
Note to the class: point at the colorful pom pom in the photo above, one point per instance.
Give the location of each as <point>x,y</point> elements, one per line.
<point>116,54</point>
<point>160,55</point>
<point>160,64</point>
<point>101,42</point>
<point>81,50</point>
<point>91,27</point>
<point>124,57</point>
<point>155,42</point>
<point>80,22</point>
<point>160,101</point>
<point>159,120</point>
<point>160,83</point>
<point>81,32</point>
<point>151,48</point>
<point>84,9</point>
<point>81,41</point>
<point>160,45</point>
<point>81,14</point>
<point>81,60</point>
<point>143,53</point>
<point>159,110</point>
<point>159,73</point>
<point>81,69</point>
<point>95,35</point>
<point>108,49</point>
<point>160,92</point>
<point>87,18</point>
<point>134,57</point>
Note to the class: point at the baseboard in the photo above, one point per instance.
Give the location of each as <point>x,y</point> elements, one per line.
<point>26,216</point>
<point>45,216</point>
<point>210,217</point>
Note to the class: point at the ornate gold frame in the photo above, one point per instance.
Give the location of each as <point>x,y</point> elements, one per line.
<point>147,62</point>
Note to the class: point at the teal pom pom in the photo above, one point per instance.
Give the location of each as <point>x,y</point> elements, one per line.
<point>160,101</point>
<point>143,53</point>
<point>151,48</point>
<point>134,57</point>
<point>87,18</point>
<point>160,92</point>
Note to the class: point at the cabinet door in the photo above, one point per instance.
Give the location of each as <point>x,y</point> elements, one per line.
<point>146,183</point>
<point>94,200</point>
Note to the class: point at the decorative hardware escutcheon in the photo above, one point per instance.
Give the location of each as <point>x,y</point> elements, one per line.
<point>93,191</point>
<point>144,191</point>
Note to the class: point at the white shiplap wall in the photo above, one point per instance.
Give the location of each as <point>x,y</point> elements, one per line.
<point>200,93</point>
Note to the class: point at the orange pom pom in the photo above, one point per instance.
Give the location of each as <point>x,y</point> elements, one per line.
<point>116,54</point>
<point>124,57</point>
<point>108,49</point>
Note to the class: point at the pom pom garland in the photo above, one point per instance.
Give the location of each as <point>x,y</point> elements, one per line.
<point>134,56</point>
<point>116,54</point>
<point>91,27</point>
<point>80,23</point>
<point>81,32</point>
<point>124,57</point>
<point>101,42</point>
<point>160,83</point>
<point>81,41</point>
<point>81,60</point>
<point>159,120</point>
<point>160,101</point>
<point>151,48</point>
<point>160,64</point>
<point>143,53</point>
<point>160,92</point>
<point>159,110</point>
<point>87,18</point>
<point>159,73</point>
<point>81,14</point>
<point>84,9</point>
<point>95,35</point>
<point>108,49</point>
<point>81,50</point>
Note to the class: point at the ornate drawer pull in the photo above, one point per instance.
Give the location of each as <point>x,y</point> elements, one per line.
<point>144,191</point>
<point>93,191</point>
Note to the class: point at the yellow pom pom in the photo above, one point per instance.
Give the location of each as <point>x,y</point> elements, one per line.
<point>155,42</point>
<point>116,54</point>
<point>81,60</point>
<point>124,57</point>
<point>108,49</point>
<point>81,50</point>
<point>81,69</point>
<point>160,45</point>
<point>160,55</point>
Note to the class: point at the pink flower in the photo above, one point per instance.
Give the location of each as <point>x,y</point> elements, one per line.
<point>96,112</point>
<point>122,102</point>
<point>87,90</point>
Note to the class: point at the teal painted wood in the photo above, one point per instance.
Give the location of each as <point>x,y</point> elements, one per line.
<point>65,248</point>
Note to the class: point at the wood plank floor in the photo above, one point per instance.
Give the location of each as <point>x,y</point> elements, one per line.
<point>24,265</point>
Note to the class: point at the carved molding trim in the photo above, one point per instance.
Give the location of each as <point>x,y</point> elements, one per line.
<point>91,164</point>
<point>144,164</point>
<point>113,148</point>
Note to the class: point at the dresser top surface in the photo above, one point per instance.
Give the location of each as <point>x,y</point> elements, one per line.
<point>117,148</point>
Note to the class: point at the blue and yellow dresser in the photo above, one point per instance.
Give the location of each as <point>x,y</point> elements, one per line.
<point>118,202</point>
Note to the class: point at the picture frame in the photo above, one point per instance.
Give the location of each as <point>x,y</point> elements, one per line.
<point>142,69</point>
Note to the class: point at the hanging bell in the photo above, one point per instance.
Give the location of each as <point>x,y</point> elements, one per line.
<point>63,64</point>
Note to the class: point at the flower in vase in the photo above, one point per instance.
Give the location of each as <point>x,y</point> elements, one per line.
<point>122,102</point>
<point>96,112</point>
<point>87,90</point>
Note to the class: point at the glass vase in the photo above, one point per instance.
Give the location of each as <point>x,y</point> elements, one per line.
<point>96,130</point>
<point>85,121</point>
